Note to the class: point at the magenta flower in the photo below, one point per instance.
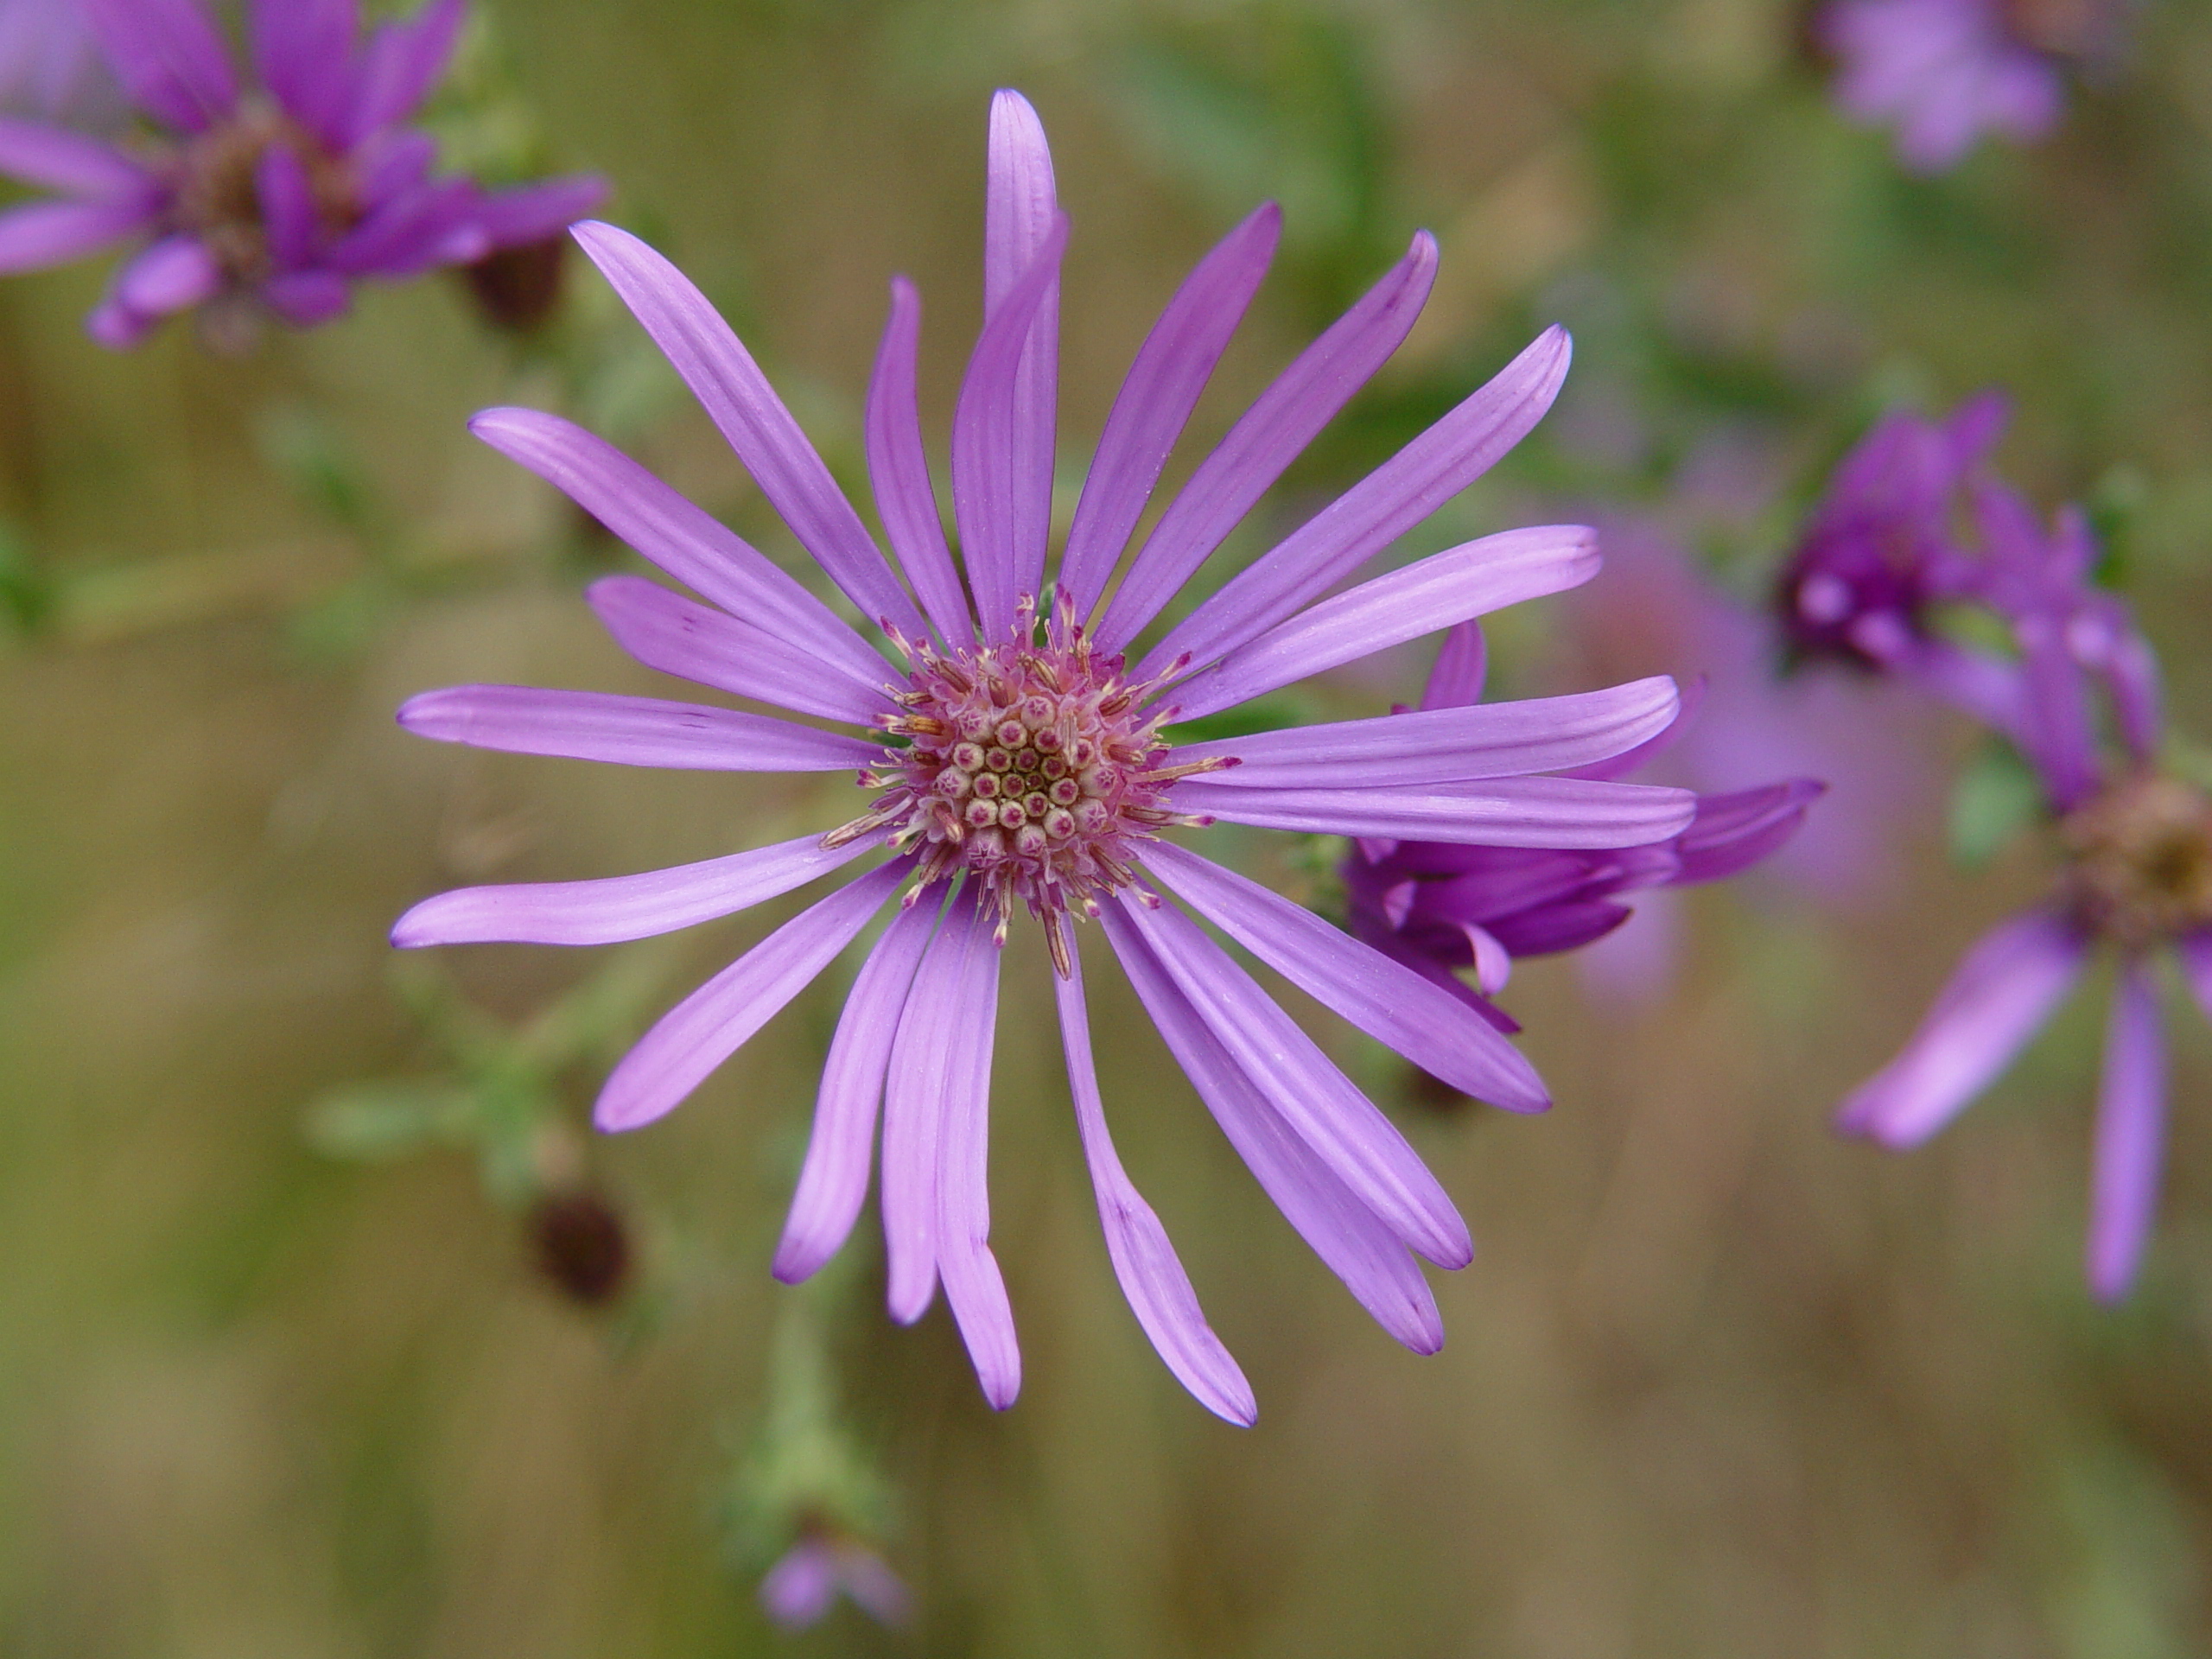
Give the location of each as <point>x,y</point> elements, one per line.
<point>1015,763</point>
<point>1439,907</point>
<point>1943,73</point>
<point>276,197</point>
<point>798,1592</point>
<point>2137,876</point>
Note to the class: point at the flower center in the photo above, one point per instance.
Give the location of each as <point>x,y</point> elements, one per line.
<point>1030,768</point>
<point>2141,859</point>
<point>218,185</point>
<point>1847,593</point>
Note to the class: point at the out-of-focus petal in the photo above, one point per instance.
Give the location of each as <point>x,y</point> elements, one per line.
<point>1733,832</point>
<point>305,298</point>
<point>168,57</point>
<point>710,1024</point>
<point>2131,1135</point>
<point>833,1181</point>
<point>627,731</point>
<point>1492,739</point>
<point>1386,1001</point>
<point>614,908</point>
<point>1171,370</point>
<point>1019,213</point>
<point>738,399</point>
<point>1462,664</point>
<point>42,233</point>
<point>1348,1237</point>
<point>988,484</point>
<point>1270,435</point>
<point>899,469</point>
<point>796,1592</point>
<point>1152,1277</point>
<point>174,274</point>
<point>683,539</point>
<point>1998,998</point>
<point>1468,581</point>
<point>974,1287</point>
<point>288,210</point>
<point>531,213</point>
<point>1565,812</point>
<point>1390,500</point>
<point>303,51</point>
<point>1318,1101</point>
<point>407,234</point>
<point>401,63</point>
<point>667,631</point>
<point>57,159</point>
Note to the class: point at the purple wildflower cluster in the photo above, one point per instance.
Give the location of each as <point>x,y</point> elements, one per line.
<point>1016,759</point>
<point>2076,694</point>
<point>1439,907</point>
<point>1944,72</point>
<point>276,196</point>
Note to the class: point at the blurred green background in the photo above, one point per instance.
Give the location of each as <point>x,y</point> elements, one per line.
<point>1718,1384</point>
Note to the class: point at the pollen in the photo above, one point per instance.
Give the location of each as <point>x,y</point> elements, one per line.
<point>1033,768</point>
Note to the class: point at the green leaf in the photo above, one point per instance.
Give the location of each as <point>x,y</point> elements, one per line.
<point>1246,719</point>
<point>1996,797</point>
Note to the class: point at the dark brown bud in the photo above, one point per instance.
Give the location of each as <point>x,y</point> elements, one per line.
<point>582,1246</point>
<point>518,289</point>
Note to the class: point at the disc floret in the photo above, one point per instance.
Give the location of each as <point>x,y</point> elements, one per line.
<point>2140,856</point>
<point>1032,767</point>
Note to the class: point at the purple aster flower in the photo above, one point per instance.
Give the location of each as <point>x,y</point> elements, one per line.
<point>797,1591</point>
<point>1945,71</point>
<point>1017,762</point>
<point>276,196</point>
<point>2136,845</point>
<point>1439,907</point>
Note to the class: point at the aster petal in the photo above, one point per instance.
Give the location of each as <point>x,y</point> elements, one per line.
<point>1564,812</point>
<point>1375,512</point>
<point>56,159</point>
<point>174,274</point>
<point>710,1024</point>
<point>1389,1003</point>
<point>683,539</point>
<point>613,909</point>
<point>913,1113</point>
<point>1164,383</point>
<point>393,164</point>
<point>288,209</point>
<point>1471,579</point>
<point>168,57</point>
<point>1152,1277</point>
<point>974,1287</point>
<point>1998,998</point>
<point>401,63</point>
<point>1733,832</point>
<point>796,1592</point>
<point>833,1182</point>
<point>42,233</point>
<point>1462,664</point>
<point>1491,740</point>
<point>627,731</point>
<point>1348,1237</point>
<point>2193,952</point>
<point>2131,1135</point>
<point>303,50</point>
<point>874,1588</point>
<point>989,484</point>
<point>531,213</point>
<point>899,469</point>
<point>667,631</point>
<point>738,399</point>
<point>433,224</point>
<point>1270,434</point>
<point>1559,927</point>
<point>1318,1101</point>
<point>1019,211</point>
<point>306,297</point>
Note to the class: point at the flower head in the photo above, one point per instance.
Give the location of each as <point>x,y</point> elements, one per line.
<point>1946,72</point>
<point>275,196</point>
<point>1439,907</point>
<point>2135,847</point>
<point>1015,761</point>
